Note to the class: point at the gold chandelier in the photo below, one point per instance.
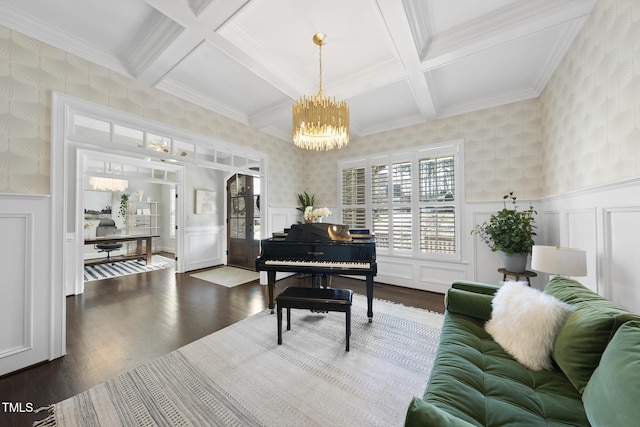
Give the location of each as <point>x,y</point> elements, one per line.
<point>319,122</point>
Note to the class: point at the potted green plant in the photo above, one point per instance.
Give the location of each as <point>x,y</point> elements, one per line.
<point>510,232</point>
<point>305,200</point>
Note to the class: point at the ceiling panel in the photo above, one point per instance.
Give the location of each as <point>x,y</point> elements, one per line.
<point>212,73</point>
<point>451,14</point>
<point>374,109</point>
<point>356,39</point>
<point>488,77</point>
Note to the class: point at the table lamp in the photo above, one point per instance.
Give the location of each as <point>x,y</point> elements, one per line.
<point>559,261</point>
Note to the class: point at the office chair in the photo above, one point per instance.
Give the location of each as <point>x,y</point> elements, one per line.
<point>106,227</point>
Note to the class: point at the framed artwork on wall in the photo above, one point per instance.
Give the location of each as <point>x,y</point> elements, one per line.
<point>205,202</point>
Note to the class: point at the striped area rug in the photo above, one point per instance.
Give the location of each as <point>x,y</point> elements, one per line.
<point>106,271</point>
<point>240,376</point>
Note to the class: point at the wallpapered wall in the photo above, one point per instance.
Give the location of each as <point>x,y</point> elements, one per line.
<point>582,131</point>
<point>31,70</point>
<point>590,109</point>
<point>501,152</point>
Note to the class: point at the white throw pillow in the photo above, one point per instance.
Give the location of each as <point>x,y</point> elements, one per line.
<point>525,321</point>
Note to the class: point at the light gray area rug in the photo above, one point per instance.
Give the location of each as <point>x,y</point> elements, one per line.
<point>227,276</point>
<point>239,376</point>
<point>124,268</point>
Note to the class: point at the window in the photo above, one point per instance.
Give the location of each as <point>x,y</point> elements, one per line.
<point>437,210</point>
<point>410,200</point>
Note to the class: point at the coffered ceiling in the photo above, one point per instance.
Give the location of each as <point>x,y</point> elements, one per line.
<point>396,62</point>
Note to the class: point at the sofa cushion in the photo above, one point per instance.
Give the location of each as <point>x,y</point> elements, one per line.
<point>586,332</point>
<point>525,321</point>
<point>421,413</point>
<point>611,395</point>
<point>475,380</point>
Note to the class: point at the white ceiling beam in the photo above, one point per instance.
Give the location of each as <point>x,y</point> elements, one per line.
<point>204,27</point>
<point>395,19</point>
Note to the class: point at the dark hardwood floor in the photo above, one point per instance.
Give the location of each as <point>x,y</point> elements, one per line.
<point>121,323</point>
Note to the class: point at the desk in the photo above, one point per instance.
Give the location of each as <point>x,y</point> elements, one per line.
<point>115,238</point>
<point>526,274</point>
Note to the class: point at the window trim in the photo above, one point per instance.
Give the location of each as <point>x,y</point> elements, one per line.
<point>415,154</point>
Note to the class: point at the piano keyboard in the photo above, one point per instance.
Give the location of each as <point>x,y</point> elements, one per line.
<point>325,264</point>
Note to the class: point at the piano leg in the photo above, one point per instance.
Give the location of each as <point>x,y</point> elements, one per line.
<point>271,284</point>
<point>370,298</point>
<point>321,281</point>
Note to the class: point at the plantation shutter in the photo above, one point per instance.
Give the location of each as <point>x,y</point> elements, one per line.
<point>401,221</point>
<point>354,213</point>
<point>437,208</point>
<point>380,204</point>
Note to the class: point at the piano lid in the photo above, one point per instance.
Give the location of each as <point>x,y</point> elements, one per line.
<point>318,231</point>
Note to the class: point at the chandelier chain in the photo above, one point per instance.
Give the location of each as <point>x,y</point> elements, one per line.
<point>320,61</point>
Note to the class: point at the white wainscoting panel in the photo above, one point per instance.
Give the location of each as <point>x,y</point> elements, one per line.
<point>582,232</point>
<point>204,247</point>
<point>438,278</point>
<point>604,221</point>
<point>282,217</point>
<point>16,311</point>
<point>419,274</point>
<point>25,294</point>
<point>396,268</point>
<point>548,231</point>
<point>622,235</point>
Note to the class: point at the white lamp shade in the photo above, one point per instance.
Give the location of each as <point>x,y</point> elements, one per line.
<point>559,261</point>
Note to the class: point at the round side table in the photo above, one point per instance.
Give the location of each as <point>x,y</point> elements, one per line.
<point>526,274</point>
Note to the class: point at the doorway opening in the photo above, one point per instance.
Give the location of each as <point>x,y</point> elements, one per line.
<point>149,150</point>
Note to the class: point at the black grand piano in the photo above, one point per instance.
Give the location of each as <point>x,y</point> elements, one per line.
<point>320,249</point>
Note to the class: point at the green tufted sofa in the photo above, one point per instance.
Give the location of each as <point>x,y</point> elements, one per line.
<point>474,382</point>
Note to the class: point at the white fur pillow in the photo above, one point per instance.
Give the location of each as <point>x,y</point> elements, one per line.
<point>525,321</point>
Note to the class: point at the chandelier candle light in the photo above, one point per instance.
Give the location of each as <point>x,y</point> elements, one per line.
<point>108,184</point>
<point>319,122</point>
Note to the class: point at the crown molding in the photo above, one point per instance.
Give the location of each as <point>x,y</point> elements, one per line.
<point>557,52</point>
<point>278,133</point>
<point>173,88</point>
<point>409,120</point>
<point>154,42</point>
<point>483,103</point>
<point>273,113</point>
<point>42,31</point>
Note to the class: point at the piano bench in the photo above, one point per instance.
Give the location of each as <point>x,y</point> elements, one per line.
<point>314,299</point>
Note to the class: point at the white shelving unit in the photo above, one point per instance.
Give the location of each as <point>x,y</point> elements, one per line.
<point>143,218</point>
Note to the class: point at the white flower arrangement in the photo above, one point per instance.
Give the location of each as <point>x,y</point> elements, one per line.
<point>311,213</point>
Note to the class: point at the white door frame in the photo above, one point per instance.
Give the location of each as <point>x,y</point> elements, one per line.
<point>64,163</point>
